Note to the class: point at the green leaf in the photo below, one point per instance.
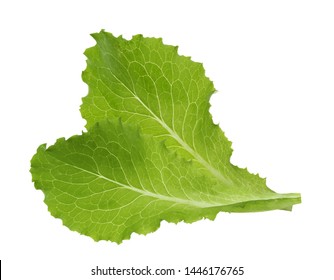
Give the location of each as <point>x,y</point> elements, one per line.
<point>144,82</point>
<point>112,181</point>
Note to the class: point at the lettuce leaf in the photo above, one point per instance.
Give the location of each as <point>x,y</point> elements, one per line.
<point>113,181</point>
<point>151,151</point>
<point>144,82</point>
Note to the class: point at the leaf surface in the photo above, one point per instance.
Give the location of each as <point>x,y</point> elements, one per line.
<point>146,82</point>
<point>112,181</point>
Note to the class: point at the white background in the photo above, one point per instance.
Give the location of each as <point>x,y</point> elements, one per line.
<point>273,65</point>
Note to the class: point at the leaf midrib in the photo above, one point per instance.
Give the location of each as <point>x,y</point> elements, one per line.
<point>176,200</point>
<point>195,203</point>
<point>185,146</point>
